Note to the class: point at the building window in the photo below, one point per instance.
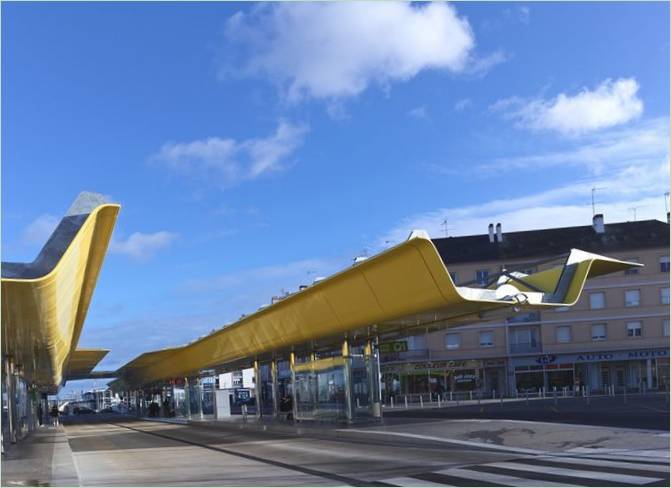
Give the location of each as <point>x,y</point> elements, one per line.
<point>453,341</point>
<point>632,298</point>
<point>634,329</point>
<point>664,296</point>
<point>416,343</point>
<point>664,264</point>
<point>632,271</point>
<point>564,333</point>
<point>599,332</point>
<point>486,339</point>
<point>597,300</point>
<point>453,275</point>
<point>665,328</point>
<point>482,276</point>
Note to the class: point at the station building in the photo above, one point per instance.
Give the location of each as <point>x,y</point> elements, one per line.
<point>317,353</point>
<point>615,336</point>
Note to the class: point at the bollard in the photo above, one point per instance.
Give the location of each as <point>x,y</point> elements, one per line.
<point>517,393</point>
<point>406,401</point>
<point>358,405</point>
<point>527,399</point>
<point>493,394</point>
<point>471,394</point>
<point>450,395</point>
<point>244,413</point>
<point>539,392</point>
<point>554,393</point>
<point>391,401</point>
<point>421,401</point>
<point>438,401</point>
<point>501,396</point>
<point>479,396</point>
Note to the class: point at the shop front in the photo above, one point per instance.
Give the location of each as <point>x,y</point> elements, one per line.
<point>632,370</point>
<point>440,377</point>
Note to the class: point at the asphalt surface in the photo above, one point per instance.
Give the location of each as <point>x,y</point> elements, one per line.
<point>634,411</point>
<point>110,451</point>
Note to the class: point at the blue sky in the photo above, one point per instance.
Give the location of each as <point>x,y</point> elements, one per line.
<point>254,147</point>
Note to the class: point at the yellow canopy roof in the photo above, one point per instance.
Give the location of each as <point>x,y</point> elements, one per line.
<point>407,284</point>
<point>44,303</point>
<point>82,362</point>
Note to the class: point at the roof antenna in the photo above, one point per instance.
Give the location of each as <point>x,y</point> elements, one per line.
<point>444,224</point>
<point>666,201</point>
<point>594,189</point>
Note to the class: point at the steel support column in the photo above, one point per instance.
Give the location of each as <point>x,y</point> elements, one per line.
<point>372,367</point>
<point>273,379</point>
<point>187,399</point>
<point>257,388</point>
<point>347,376</point>
<point>292,365</point>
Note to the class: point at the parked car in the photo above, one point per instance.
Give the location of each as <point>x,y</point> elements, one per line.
<point>84,411</point>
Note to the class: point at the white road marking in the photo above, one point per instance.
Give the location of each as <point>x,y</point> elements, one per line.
<point>497,478</point>
<point>661,455</point>
<point>459,442</point>
<point>406,481</point>
<point>607,464</point>
<point>595,475</point>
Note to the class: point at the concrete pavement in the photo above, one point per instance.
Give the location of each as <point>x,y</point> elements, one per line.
<point>43,459</point>
<point>125,451</point>
<point>107,450</point>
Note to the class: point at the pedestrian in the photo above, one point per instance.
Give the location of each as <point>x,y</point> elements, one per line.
<point>54,415</point>
<point>40,414</point>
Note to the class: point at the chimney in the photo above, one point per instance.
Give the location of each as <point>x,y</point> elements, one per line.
<point>499,234</point>
<point>668,217</point>
<point>491,233</point>
<point>597,223</point>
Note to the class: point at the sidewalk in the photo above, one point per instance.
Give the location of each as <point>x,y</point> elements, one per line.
<point>42,459</point>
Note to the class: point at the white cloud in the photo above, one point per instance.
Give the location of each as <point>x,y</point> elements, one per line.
<point>40,229</point>
<point>611,103</point>
<point>337,49</point>
<point>480,66</point>
<point>142,246</point>
<point>227,161</point>
<point>612,149</point>
<point>462,104</point>
<point>634,173</point>
<point>639,186</point>
<point>419,113</point>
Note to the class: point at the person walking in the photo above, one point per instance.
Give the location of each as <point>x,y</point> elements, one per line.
<point>54,415</point>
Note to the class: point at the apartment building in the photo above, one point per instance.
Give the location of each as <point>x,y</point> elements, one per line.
<point>617,335</point>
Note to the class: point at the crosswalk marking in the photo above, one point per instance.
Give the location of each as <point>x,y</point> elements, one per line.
<point>648,454</point>
<point>407,481</point>
<point>497,478</point>
<point>608,464</point>
<point>574,473</point>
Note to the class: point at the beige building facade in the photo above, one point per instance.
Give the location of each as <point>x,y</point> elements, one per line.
<point>615,338</point>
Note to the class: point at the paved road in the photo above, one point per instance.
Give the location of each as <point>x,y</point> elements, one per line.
<point>122,451</point>
<point>634,411</point>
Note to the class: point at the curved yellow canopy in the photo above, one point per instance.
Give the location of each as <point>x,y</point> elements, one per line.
<point>405,283</point>
<point>44,303</point>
